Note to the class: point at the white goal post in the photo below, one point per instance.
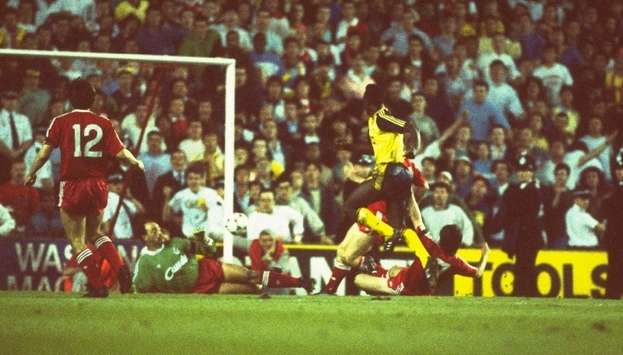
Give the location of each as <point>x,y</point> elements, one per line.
<point>230,82</point>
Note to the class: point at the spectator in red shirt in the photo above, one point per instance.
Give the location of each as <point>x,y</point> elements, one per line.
<point>20,199</point>
<point>268,254</point>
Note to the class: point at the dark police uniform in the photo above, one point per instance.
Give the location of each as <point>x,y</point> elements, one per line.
<point>521,219</point>
<point>613,213</point>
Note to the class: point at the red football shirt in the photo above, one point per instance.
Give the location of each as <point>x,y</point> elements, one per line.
<point>88,142</point>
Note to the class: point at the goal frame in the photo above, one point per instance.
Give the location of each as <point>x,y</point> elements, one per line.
<point>230,92</point>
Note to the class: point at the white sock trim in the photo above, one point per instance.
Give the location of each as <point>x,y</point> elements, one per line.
<point>101,240</point>
<point>83,255</point>
<point>340,265</point>
<point>265,277</point>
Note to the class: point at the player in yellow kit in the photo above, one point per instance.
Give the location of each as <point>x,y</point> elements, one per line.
<point>391,179</point>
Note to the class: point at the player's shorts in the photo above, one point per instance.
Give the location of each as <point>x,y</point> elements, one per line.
<point>83,196</point>
<point>210,277</point>
<point>396,181</point>
<point>410,281</point>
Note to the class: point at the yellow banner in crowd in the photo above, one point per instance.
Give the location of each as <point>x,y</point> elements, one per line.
<point>569,274</point>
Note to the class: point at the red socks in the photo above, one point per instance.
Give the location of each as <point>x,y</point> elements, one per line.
<point>273,279</point>
<point>89,264</point>
<point>338,273</point>
<point>108,251</point>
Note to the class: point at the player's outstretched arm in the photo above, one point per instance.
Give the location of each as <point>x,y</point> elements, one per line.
<point>484,255</point>
<point>414,210</point>
<point>40,159</point>
<point>127,156</point>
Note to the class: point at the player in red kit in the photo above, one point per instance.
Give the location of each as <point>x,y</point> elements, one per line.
<point>417,280</point>
<point>363,236</point>
<point>88,143</point>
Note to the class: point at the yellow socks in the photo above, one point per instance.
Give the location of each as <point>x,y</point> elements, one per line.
<point>370,220</point>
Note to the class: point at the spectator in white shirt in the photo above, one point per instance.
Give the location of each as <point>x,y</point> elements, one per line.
<point>582,228</point>
<point>274,42</point>
<point>193,146</point>
<point>284,197</point>
<point>231,23</point>
<point>579,157</point>
<point>502,94</point>
<point>595,138</point>
<point>44,179</point>
<point>130,207</point>
<point>81,8</point>
<point>441,214</point>
<point>283,222</point>
<point>354,83</point>
<point>485,59</point>
<point>198,205</point>
<point>15,128</point>
<point>553,74</point>
<point>349,20</point>
<point>132,126</point>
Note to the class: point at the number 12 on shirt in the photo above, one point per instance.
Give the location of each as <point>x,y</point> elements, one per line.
<point>90,143</point>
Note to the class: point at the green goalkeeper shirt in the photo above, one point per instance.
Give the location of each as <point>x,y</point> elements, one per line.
<point>172,268</point>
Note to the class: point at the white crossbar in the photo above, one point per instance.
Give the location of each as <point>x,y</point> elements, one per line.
<point>119,56</point>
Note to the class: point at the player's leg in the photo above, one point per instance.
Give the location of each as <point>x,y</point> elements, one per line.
<point>237,288</point>
<point>362,196</point>
<point>373,284</point>
<point>107,250</point>
<point>75,230</point>
<point>240,274</point>
<point>74,226</point>
<point>355,246</point>
<point>349,252</point>
<point>368,218</point>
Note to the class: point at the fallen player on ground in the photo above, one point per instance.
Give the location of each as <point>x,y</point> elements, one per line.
<point>171,266</point>
<point>417,280</point>
<point>370,231</point>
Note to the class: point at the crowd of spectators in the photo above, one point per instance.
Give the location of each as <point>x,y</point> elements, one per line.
<point>484,81</point>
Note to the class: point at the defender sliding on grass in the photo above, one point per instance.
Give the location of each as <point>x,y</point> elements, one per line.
<point>172,266</point>
<point>417,280</point>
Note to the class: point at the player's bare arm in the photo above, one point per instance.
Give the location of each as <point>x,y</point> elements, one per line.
<point>484,255</point>
<point>414,210</point>
<point>40,159</point>
<point>126,156</point>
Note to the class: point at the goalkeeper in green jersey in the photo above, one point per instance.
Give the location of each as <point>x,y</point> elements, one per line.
<point>172,266</point>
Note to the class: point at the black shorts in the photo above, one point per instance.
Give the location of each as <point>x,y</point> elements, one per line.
<point>396,181</point>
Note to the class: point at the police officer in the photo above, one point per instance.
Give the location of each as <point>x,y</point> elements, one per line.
<point>521,212</point>
<point>613,213</point>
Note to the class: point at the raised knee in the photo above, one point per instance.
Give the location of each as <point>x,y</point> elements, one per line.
<point>347,258</point>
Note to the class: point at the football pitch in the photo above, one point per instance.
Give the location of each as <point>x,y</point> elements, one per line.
<point>190,324</point>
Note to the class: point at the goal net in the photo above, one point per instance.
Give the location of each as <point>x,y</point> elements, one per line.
<point>149,76</point>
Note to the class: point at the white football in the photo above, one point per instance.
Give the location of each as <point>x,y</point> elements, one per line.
<point>237,223</point>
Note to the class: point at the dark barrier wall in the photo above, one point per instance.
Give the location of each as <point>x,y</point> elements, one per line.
<point>38,264</point>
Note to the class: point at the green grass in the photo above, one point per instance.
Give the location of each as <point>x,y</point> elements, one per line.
<point>38,323</point>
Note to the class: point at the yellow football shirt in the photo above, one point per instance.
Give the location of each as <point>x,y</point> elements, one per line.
<point>386,136</point>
